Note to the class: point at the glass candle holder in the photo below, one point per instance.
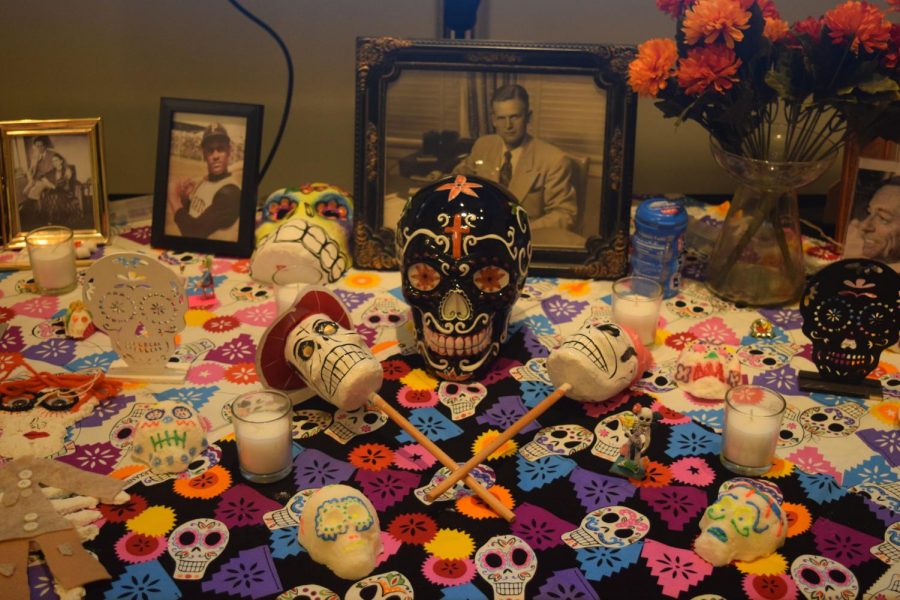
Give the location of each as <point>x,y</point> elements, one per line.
<point>51,251</point>
<point>262,430</point>
<point>635,303</point>
<point>752,423</point>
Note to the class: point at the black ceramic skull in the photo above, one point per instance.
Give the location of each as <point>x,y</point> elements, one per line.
<point>465,245</point>
<point>850,313</point>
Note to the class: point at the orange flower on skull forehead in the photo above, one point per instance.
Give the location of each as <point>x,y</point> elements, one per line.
<point>648,73</point>
<point>711,20</point>
<point>704,68</point>
<point>776,29</point>
<point>860,24</point>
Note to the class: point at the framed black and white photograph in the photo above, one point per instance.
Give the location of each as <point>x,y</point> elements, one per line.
<point>52,173</point>
<point>207,165</point>
<point>553,123</point>
<point>871,205</point>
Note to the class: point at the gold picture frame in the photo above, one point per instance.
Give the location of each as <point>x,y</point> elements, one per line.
<point>52,173</point>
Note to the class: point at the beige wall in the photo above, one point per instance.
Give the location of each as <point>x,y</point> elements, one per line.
<point>116,58</point>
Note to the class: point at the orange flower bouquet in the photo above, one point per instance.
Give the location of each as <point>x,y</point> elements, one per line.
<point>746,75</point>
<point>778,101</point>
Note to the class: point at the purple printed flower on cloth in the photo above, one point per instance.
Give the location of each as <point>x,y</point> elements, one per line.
<point>99,457</point>
<point>782,380</point>
<point>353,300</point>
<point>534,346</point>
<point>786,318</point>
<point>886,443</point>
<point>242,506</point>
<point>12,341</point>
<point>314,468</point>
<point>677,505</point>
<point>504,412</point>
<point>595,490</point>
<point>499,370</point>
<point>141,235</point>
<point>567,583</point>
<point>539,527</point>
<point>251,574</point>
<point>559,310</point>
<point>56,351</point>
<point>387,487</point>
<point>106,410</point>
<point>238,350</point>
<point>843,544</point>
<point>367,333</point>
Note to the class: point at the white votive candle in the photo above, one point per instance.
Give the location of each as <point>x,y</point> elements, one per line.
<point>51,251</point>
<point>262,429</point>
<point>752,424</point>
<point>636,302</point>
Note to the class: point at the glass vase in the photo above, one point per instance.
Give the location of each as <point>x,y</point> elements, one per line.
<point>758,257</point>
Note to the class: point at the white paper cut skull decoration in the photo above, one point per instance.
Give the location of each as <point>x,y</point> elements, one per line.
<point>348,424</point>
<point>508,563</point>
<point>314,343</point>
<point>465,246</point>
<point>819,577</point>
<point>339,528</point>
<point>392,585</point>
<point>140,304</point>
<point>609,527</point>
<point>461,398</point>
<point>195,544</point>
<point>557,440</point>
<point>598,361</point>
<point>745,522</point>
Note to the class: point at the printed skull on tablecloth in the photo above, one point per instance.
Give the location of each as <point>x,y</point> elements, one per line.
<point>818,577</point>
<point>465,246</point>
<point>557,440</point>
<point>611,435</point>
<point>483,474</point>
<point>840,420</point>
<point>349,424</point>
<point>195,544</point>
<point>608,527</point>
<point>461,398</point>
<point>508,563</point>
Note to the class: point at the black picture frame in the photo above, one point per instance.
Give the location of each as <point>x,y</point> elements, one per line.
<point>187,120</point>
<point>382,61</point>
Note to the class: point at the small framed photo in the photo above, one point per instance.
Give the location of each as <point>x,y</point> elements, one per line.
<point>52,174</point>
<point>869,211</point>
<point>207,165</point>
<point>429,109</point>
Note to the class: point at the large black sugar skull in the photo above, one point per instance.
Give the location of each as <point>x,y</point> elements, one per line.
<point>465,245</point>
<point>851,312</point>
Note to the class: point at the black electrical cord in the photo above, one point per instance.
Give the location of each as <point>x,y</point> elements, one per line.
<point>290,82</point>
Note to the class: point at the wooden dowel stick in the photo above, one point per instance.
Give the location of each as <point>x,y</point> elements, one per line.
<point>489,499</point>
<point>498,441</point>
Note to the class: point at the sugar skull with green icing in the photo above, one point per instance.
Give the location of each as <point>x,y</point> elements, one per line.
<point>304,236</point>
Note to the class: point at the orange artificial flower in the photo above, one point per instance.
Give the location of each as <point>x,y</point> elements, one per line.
<point>890,58</point>
<point>673,7</point>
<point>708,68</point>
<point>768,9</point>
<point>653,66</point>
<point>776,29</point>
<point>710,20</point>
<point>810,26</point>
<point>860,24</point>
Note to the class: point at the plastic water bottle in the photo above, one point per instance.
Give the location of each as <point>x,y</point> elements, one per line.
<point>657,246</point>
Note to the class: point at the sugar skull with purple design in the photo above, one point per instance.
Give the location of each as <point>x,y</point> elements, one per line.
<point>339,528</point>
<point>746,522</point>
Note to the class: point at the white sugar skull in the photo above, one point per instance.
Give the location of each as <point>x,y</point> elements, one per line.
<point>745,522</point>
<point>77,320</point>
<point>122,432</point>
<point>598,361</point>
<point>792,432</point>
<point>334,361</point>
<point>385,313</point>
<point>206,459</point>
<point>609,527</point>
<point>349,424</point>
<point>889,551</point>
<point>307,422</point>
<point>557,440</point>
<point>483,474</point>
<point>194,545</point>
<point>289,515</point>
<point>392,585</point>
<point>140,304</point>
<point>820,578</point>
<point>169,437</point>
<point>309,591</point>
<point>339,528</point>
<point>461,398</point>
<point>840,420</point>
<point>611,434</point>
<point>508,564</point>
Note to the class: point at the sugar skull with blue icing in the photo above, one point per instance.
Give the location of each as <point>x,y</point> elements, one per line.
<point>304,237</point>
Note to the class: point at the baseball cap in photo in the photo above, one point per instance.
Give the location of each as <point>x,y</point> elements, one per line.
<point>213,132</point>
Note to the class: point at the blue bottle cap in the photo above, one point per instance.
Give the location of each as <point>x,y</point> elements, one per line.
<point>662,213</point>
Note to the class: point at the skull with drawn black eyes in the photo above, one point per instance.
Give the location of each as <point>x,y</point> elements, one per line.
<point>334,361</point>
<point>465,245</point>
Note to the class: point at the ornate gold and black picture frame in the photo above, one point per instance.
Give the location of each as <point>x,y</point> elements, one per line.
<point>427,109</point>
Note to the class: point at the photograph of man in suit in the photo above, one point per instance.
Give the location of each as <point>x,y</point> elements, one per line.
<point>537,173</point>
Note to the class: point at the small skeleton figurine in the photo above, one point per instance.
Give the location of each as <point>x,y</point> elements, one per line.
<point>631,460</point>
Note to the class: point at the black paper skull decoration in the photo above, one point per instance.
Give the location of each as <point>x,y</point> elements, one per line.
<point>851,312</point>
<point>465,245</point>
